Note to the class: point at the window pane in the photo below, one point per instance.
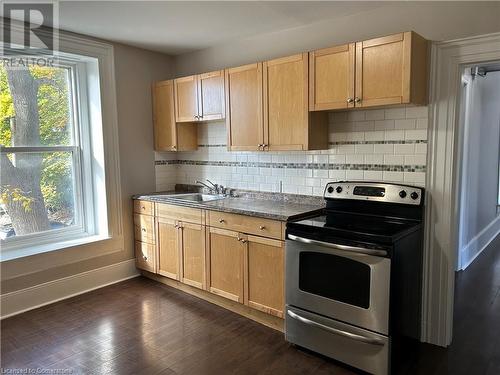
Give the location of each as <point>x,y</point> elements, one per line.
<point>37,193</point>
<point>35,106</point>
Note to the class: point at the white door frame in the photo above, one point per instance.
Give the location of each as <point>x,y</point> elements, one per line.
<point>442,180</point>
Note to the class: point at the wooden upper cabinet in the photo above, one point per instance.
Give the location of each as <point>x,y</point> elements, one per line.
<point>264,289</point>
<point>165,135</point>
<point>391,70</point>
<point>186,99</point>
<point>331,78</point>
<point>286,103</point>
<point>244,120</point>
<point>169,136</point>
<point>211,96</point>
<point>200,97</point>
<point>287,123</point>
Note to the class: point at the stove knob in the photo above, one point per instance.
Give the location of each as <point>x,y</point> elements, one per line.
<point>402,194</point>
<point>414,195</point>
<point>339,189</point>
<point>330,189</point>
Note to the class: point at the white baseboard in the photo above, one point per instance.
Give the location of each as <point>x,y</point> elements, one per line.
<point>19,301</point>
<point>476,246</point>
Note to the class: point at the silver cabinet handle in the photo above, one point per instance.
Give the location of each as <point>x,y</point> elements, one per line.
<point>221,220</point>
<point>357,100</point>
<point>350,100</point>
<point>339,332</point>
<point>145,257</point>
<point>144,230</point>
<point>262,227</point>
<point>353,249</point>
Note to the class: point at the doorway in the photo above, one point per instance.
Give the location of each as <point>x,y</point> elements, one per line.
<point>443,179</point>
<point>479,153</point>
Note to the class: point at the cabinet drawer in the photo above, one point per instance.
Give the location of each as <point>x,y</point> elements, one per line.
<point>144,228</point>
<point>186,214</point>
<point>143,207</point>
<point>246,224</point>
<point>145,256</point>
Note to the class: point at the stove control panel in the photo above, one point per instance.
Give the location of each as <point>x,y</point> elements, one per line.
<point>374,191</point>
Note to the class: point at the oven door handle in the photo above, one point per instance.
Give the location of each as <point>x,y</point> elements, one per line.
<point>339,332</point>
<point>354,249</point>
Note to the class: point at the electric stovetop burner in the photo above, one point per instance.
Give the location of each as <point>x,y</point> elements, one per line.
<point>356,226</point>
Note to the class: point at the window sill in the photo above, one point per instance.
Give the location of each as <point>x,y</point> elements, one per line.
<point>11,254</point>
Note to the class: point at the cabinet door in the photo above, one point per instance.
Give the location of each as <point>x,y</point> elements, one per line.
<point>193,254</point>
<point>186,99</point>
<point>144,228</point>
<point>165,135</point>
<point>286,107</point>
<point>264,289</point>
<point>168,248</point>
<point>145,256</point>
<point>383,70</point>
<point>244,120</point>
<point>331,78</point>
<point>211,96</point>
<point>226,253</point>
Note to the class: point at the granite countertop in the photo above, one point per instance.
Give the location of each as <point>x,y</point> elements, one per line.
<point>283,207</point>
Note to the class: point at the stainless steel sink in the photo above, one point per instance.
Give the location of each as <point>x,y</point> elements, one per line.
<point>194,197</point>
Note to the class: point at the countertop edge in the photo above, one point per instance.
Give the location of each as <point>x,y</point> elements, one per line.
<point>209,207</point>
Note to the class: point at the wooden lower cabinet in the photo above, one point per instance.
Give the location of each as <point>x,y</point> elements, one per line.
<point>145,256</point>
<point>168,248</point>
<point>226,260</point>
<point>244,268</point>
<point>264,287</point>
<point>247,269</point>
<point>193,254</point>
<point>181,251</point>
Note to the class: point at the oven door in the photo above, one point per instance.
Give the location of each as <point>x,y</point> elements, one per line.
<point>346,283</point>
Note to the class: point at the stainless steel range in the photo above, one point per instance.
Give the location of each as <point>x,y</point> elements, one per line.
<point>353,274</point>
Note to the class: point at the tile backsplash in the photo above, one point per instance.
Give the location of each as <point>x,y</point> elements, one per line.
<point>381,145</point>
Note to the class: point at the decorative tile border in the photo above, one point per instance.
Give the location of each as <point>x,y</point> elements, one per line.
<point>407,142</point>
<point>316,166</point>
<point>340,143</point>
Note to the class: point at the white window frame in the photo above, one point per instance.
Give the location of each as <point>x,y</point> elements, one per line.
<point>94,84</point>
<point>81,155</point>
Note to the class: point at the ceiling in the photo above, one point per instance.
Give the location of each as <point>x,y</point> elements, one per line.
<point>176,27</point>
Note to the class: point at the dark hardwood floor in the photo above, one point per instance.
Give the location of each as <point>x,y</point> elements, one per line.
<point>475,348</point>
<point>142,327</point>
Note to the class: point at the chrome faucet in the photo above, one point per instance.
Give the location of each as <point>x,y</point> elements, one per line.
<point>214,188</point>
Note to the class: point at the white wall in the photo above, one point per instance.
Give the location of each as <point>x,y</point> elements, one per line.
<point>382,145</point>
<point>435,21</point>
<point>480,223</point>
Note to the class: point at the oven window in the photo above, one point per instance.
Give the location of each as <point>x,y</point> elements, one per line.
<point>335,277</point>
